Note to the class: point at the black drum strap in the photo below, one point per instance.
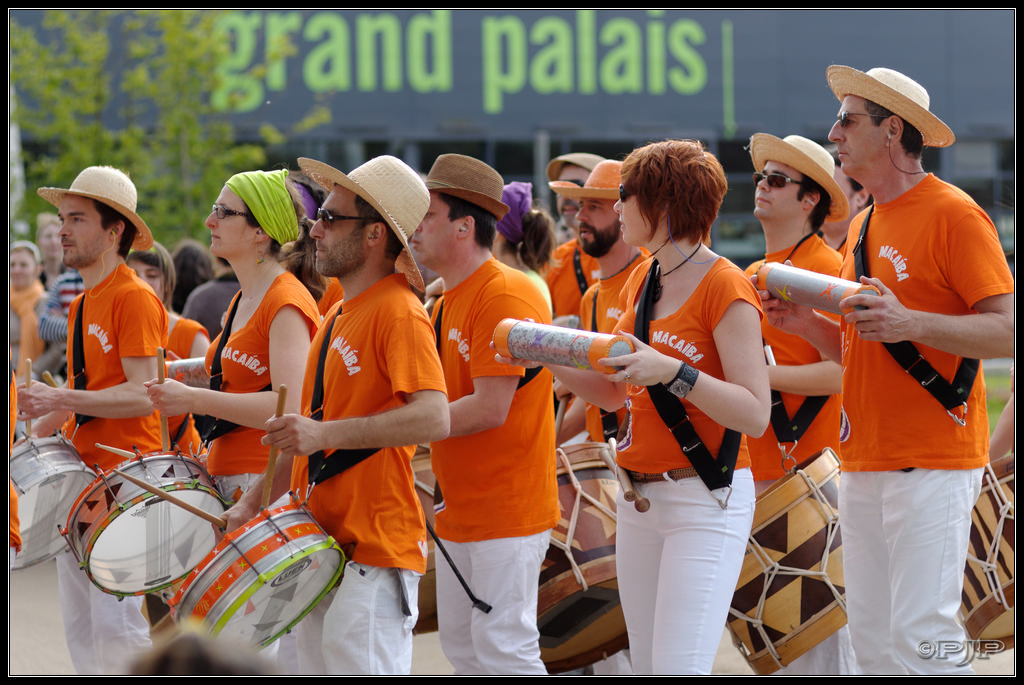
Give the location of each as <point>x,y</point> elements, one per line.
<point>716,473</point>
<point>327,465</point>
<point>78,375</point>
<point>951,395</point>
<point>792,429</point>
<point>577,265</point>
<point>609,419</point>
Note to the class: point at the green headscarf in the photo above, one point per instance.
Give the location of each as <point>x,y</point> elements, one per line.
<point>267,197</point>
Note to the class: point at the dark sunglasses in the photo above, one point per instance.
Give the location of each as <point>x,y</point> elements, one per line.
<point>844,117</point>
<point>623,193</point>
<point>774,179</point>
<point>223,212</point>
<point>328,218</point>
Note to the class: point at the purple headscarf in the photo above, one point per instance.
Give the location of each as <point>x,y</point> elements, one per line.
<point>519,197</point>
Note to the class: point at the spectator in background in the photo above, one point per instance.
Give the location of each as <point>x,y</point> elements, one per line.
<point>51,254</point>
<point>526,235</point>
<point>193,266</point>
<point>25,292</point>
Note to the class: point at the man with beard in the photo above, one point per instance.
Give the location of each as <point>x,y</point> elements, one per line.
<point>373,390</point>
<point>600,237</point>
<point>573,270</point>
<point>115,329</point>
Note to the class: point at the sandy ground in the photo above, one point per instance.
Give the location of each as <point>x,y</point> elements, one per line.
<point>36,639</point>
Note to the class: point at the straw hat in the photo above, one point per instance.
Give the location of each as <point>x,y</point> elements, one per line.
<point>897,93</point>
<point>809,159</point>
<point>602,184</point>
<point>393,188</point>
<point>113,188</point>
<point>580,159</point>
<point>470,179</point>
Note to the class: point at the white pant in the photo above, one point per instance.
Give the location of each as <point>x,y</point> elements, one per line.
<point>905,537</point>
<point>677,566</point>
<point>364,626</point>
<point>505,574</point>
<point>104,633</point>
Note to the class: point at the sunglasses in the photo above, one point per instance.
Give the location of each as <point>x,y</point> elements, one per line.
<point>223,212</point>
<point>844,117</point>
<point>774,179</point>
<point>624,194</point>
<point>328,218</point>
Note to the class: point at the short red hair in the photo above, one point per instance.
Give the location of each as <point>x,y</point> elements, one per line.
<point>681,178</point>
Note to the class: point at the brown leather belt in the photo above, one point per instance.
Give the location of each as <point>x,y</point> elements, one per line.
<point>674,474</point>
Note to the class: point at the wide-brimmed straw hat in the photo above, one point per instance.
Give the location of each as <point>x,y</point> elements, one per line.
<point>113,188</point>
<point>470,179</point>
<point>581,159</point>
<point>393,188</point>
<point>896,92</point>
<point>602,184</point>
<point>809,159</point>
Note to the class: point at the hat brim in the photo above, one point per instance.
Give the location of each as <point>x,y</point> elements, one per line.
<point>327,177</point>
<point>845,81</point>
<point>765,147</point>
<point>571,190</point>
<point>144,236</point>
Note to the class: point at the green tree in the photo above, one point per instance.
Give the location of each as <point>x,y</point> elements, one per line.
<point>129,89</point>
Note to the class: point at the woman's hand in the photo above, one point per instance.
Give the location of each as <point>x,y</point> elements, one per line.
<point>643,366</point>
<point>170,398</point>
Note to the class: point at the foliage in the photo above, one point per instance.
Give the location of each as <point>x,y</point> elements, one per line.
<point>129,89</point>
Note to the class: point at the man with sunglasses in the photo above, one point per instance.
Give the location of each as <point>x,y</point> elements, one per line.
<point>795,194</point>
<point>918,440</point>
<point>572,270</point>
<point>373,390</point>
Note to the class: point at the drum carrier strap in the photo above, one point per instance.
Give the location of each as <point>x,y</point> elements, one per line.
<point>78,375</point>
<point>716,473</point>
<point>609,419</point>
<point>577,265</point>
<point>210,427</point>
<point>950,395</point>
<point>320,466</point>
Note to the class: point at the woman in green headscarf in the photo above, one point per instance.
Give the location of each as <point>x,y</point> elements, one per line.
<point>258,225</point>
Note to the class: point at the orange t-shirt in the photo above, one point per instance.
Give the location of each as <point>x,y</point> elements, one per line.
<point>245,367</point>
<point>792,350</point>
<point>563,280</point>
<point>938,251</point>
<point>607,309</point>
<point>123,318</point>
<point>333,294</point>
<point>500,482</point>
<point>381,349</point>
<point>686,334</point>
<point>179,346</point>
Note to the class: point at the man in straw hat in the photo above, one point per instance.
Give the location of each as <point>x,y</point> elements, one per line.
<point>115,329</point>
<point>600,238</point>
<point>912,464</point>
<point>572,270</point>
<point>373,390</point>
<point>496,470</point>
<point>795,194</point>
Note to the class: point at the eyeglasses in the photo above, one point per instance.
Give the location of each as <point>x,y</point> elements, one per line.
<point>623,193</point>
<point>223,212</point>
<point>844,117</point>
<point>774,179</point>
<point>328,218</point>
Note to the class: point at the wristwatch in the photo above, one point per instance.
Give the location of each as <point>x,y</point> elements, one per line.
<point>682,384</point>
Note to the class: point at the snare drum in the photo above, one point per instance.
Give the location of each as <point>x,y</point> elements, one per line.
<point>578,614</point>
<point>790,595</point>
<point>263,578</point>
<point>48,475</point>
<point>988,576</point>
<point>128,540</point>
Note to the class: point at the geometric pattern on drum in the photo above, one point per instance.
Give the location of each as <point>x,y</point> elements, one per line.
<point>791,588</point>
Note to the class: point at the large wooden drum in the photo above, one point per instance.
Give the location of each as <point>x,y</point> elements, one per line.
<point>578,614</point>
<point>987,606</point>
<point>790,594</point>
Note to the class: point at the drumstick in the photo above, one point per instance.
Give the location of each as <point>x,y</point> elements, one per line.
<point>48,379</point>
<point>121,453</point>
<point>201,513</point>
<point>629,492</point>
<point>165,441</point>
<point>268,478</point>
<point>28,380</point>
